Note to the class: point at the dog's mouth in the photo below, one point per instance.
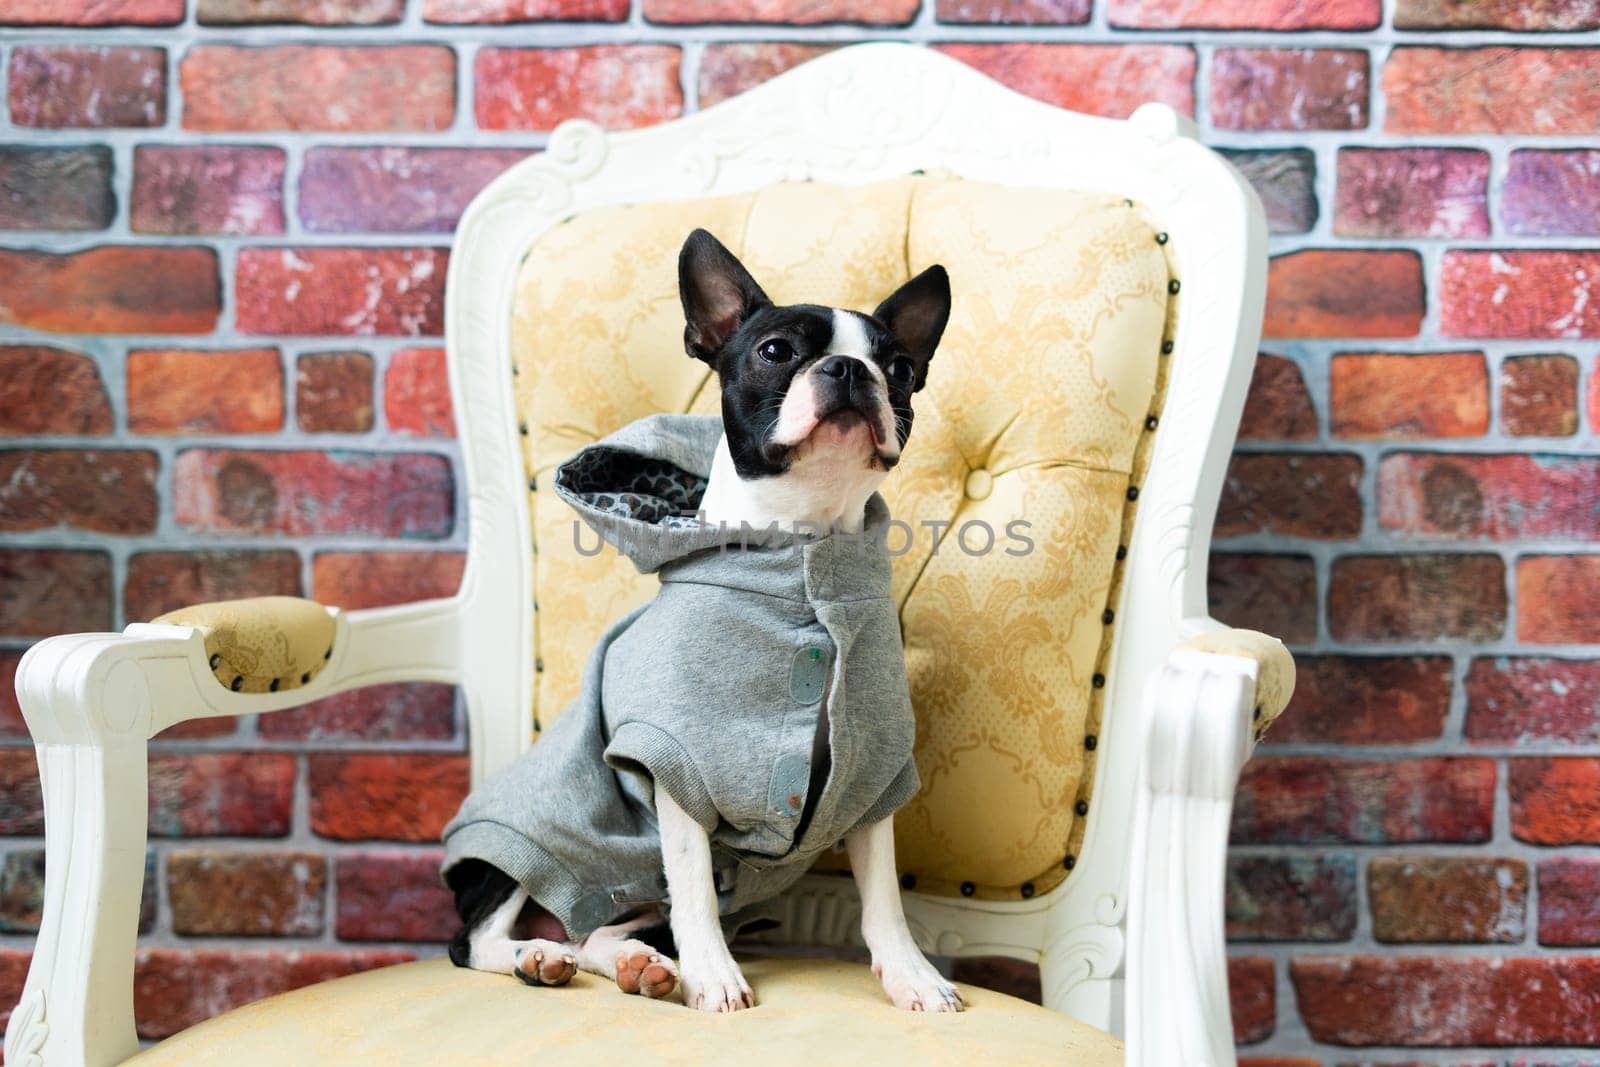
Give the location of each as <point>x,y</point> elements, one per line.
<point>849,424</point>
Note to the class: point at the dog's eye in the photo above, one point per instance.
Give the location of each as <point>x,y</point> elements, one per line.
<point>901,370</point>
<point>776,350</point>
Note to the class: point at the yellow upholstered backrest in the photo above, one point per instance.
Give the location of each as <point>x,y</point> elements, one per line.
<point>1035,411</point>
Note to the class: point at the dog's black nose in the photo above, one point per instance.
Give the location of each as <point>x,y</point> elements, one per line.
<point>842,367</point>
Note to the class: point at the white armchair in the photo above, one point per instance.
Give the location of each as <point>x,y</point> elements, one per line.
<point>1149,705</point>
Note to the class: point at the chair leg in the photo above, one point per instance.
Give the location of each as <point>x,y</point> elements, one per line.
<point>1198,722</point>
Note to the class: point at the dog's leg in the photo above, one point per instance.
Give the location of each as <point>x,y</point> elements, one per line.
<point>711,980</point>
<point>635,966</point>
<point>907,976</point>
<point>536,961</point>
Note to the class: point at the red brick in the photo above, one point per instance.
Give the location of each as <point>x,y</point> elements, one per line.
<point>499,11</point>
<point>1520,294</point>
<point>99,13</point>
<point>21,891</point>
<point>1376,395</point>
<point>13,973</point>
<point>389,896</point>
<point>318,87</point>
<point>1285,180</point>
<point>1110,80</point>
<point>1493,90</point>
<point>1013,977</point>
<point>213,891</point>
<point>1231,15</point>
<point>1293,494</point>
<point>1455,899</point>
<point>1476,497</point>
<point>333,392</point>
<point>1289,89</point>
<point>1366,700</point>
<point>1311,800</point>
<point>729,69</point>
<point>399,712</point>
<point>315,12</point>
<point>1327,292</point>
<point>12,725</point>
<point>1291,898</point>
<point>1412,192</point>
<point>323,291</point>
<point>1569,901</point>
<point>159,582</point>
<point>21,803</point>
<point>791,12</point>
<point>1556,596</point>
<point>1252,998</point>
<point>1539,396</point>
<point>362,796</point>
<point>177,391</point>
<point>416,394</point>
<point>173,989</point>
<point>1516,700</point>
<point>88,87</point>
<point>1552,193</point>
<point>46,390</point>
<point>1555,801</point>
<point>618,86</point>
<point>1273,594</point>
<point>378,579</point>
<point>1014,12</point>
<point>307,493</point>
<point>1417,598</point>
<point>1594,396</point>
<point>1278,407</point>
<point>106,491</point>
<point>112,289</point>
<point>1449,1001</point>
<point>207,189</point>
<point>46,591</point>
<point>396,190</point>
<point>1562,15</point>
<point>49,188</point>
<point>221,794</point>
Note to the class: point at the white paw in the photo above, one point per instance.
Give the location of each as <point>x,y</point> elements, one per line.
<point>914,985</point>
<point>713,983</point>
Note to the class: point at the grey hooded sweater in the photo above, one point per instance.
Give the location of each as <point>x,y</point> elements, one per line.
<point>711,691</point>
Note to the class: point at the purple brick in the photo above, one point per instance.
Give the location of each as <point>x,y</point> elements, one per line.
<point>1289,89</point>
<point>1286,182</point>
<point>397,190</point>
<point>207,189</point>
<point>91,87</point>
<point>56,188</point>
<point>1412,192</point>
<point>1552,193</point>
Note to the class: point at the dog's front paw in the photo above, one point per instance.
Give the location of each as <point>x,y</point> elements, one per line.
<point>914,985</point>
<point>714,984</point>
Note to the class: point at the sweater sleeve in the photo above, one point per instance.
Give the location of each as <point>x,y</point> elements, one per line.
<point>654,760</point>
<point>896,796</point>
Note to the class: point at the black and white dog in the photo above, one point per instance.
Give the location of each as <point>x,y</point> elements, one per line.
<point>816,406</point>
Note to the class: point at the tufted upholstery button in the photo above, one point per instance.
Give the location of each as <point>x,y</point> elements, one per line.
<point>980,483</point>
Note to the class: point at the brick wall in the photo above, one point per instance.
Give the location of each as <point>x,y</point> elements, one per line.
<point>222,249</point>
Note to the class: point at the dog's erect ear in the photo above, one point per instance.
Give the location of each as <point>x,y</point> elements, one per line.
<point>718,294</point>
<point>916,313</point>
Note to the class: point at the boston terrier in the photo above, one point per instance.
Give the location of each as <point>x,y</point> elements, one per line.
<point>816,409</point>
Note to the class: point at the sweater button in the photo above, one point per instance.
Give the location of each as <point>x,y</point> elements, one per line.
<point>980,483</point>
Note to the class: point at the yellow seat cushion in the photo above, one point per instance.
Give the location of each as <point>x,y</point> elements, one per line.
<point>262,644</point>
<point>1035,410</point>
<point>810,1012</point>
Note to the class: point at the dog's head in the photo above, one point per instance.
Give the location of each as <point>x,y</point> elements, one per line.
<point>805,379</point>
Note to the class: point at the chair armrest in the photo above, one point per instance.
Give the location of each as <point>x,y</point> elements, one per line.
<point>1200,726</point>
<point>92,701</point>
<point>1274,665</point>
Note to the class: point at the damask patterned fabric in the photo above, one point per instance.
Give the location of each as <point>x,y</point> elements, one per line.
<point>1035,412</point>
<point>263,644</point>
<point>809,1012</point>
